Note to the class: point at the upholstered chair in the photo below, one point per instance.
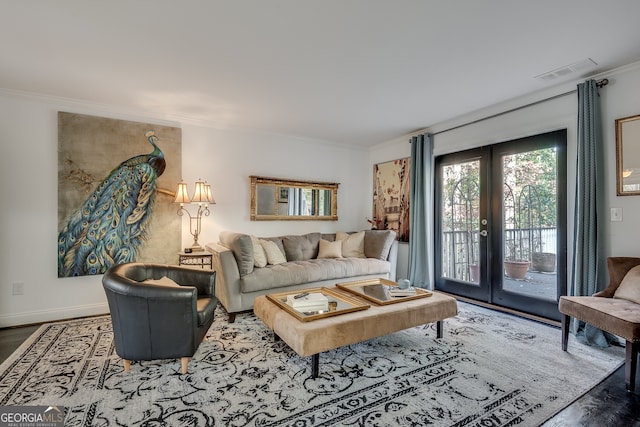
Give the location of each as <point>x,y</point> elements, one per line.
<point>616,310</point>
<point>159,311</point>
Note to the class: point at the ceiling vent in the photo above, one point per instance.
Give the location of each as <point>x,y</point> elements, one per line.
<point>585,64</point>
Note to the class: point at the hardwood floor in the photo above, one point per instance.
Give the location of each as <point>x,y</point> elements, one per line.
<point>606,405</point>
<point>11,338</point>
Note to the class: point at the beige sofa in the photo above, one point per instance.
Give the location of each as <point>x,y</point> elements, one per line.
<point>307,261</point>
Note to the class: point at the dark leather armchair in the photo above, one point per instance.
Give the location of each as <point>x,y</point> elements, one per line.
<point>615,315</point>
<point>159,320</point>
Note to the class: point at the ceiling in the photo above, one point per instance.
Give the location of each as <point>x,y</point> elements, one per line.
<point>357,72</point>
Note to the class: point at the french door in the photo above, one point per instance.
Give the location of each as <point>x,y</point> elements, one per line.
<point>500,216</point>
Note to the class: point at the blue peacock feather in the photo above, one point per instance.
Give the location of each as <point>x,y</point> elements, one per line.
<point>113,222</point>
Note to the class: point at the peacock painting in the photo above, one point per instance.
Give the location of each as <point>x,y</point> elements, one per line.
<point>113,223</point>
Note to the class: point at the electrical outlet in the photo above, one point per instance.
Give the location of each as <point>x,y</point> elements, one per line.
<point>616,214</point>
<point>18,289</point>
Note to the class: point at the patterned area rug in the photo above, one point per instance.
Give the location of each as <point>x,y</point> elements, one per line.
<point>489,369</point>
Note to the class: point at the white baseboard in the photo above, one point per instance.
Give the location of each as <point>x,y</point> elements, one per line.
<point>31,317</point>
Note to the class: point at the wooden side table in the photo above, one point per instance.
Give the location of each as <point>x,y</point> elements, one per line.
<point>196,259</point>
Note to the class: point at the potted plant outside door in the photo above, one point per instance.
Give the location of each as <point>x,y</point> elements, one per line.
<point>544,262</point>
<point>515,266</point>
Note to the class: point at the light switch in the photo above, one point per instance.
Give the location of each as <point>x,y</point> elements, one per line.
<point>616,214</point>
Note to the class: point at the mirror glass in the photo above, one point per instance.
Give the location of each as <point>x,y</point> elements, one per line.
<point>628,156</point>
<point>275,198</point>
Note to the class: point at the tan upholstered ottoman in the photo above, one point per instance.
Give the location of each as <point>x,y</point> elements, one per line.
<point>312,338</point>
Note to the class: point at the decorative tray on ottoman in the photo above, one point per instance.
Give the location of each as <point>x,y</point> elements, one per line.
<point>338,303</point>
<point>380,291</point>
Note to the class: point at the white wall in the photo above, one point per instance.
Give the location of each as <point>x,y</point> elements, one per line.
<point>618,99</point>
<point>225,158</point>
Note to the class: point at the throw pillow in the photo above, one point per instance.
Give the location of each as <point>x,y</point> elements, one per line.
<point>242,248</point>
<point>277,241</point>
<point>274,256</point>
<point>352,244</point>
<point>163,281</point>
<point>629,288</point>
<point>301,248</point>
<point>377,243</point>
<point>330,249</point>
<point>259,256</point>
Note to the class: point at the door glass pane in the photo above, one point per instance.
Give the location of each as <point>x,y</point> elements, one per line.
<point>460,221</point>
<point>529,212</point>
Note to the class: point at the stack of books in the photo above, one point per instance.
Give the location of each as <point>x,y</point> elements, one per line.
<point>314,301</point>
<point>406,292</point>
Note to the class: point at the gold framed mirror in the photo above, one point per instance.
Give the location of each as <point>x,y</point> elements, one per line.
<point>628,156</point>
<point>286,199</point>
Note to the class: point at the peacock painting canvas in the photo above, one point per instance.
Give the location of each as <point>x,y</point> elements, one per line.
<point>114,193</point>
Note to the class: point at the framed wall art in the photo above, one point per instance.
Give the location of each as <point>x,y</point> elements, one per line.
<point>628,156</point>
<point>116,183</point>
<point>391,186</point>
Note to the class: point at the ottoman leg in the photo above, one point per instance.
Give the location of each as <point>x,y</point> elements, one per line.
<point>315,361</point>
<point>565,331</point>
<point>439,328</point>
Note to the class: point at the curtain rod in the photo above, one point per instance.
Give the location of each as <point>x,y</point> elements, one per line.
<point>600,84</point>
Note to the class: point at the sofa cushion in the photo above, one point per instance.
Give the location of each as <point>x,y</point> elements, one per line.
<point>313,270</point>
<point>352,244</point>
<point>274,256</point>
<point>242,248</point>
<point>629,288</point>
<point>328,236</point>
<point>377,243</point>
<point>259,256</point>
<point>329,249</point>
<point>300,248</point>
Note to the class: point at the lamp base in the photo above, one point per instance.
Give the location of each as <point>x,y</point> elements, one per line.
<point>196,248</point>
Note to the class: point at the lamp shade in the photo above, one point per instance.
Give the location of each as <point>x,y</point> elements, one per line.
<point>210,198</point>
<point>181,194</point>
<point>200,193</point>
